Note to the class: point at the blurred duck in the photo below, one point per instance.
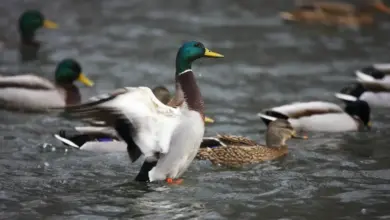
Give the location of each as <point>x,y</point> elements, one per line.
<point>323,116</point>
<point>235,151</point>
<point>29,22</point>
<point>31,93</point>
<point>335,13</point>
<point>375,74</point>
<point>372,86</point>
<point>105,139</point>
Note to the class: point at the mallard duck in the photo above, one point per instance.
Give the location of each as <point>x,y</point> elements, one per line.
<point>235,151</point>
<point>105,139</point>
<point>377,74</point>
<point>376,95</point>
<point>31,93</point>
<point>29,22</point>
<point>334,13</point>
<point>372,86</point>
<point>168,137</point>
<point>323,116</point>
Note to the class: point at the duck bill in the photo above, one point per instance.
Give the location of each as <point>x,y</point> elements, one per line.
<point>382,7</point>
<point>208,120</point>
<point>287,16</point>
<point>83,79</point>
<point>209,53</point>
<point>49,24</point>
<point>369,125</point>
<point>300,137</point>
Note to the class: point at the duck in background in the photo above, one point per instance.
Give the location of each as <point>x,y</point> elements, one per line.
<point>29,22</point>
<point>31,93</point>
<point>235,151</point>
<point>168,137</point>
<point>372,86</point>
<point>105,139</point>
<point>323,116</point>
<point>335,13</point>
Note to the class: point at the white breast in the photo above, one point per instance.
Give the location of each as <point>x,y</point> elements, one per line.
<point>184,145</point>
<point>334,122</point>
<point>379,99</point>
<point>30,99</point>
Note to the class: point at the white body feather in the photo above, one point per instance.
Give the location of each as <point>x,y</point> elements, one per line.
<point>153,120</point>
<point>333,122</point>
<point>336,121</point>
<point>45,96</point>
<point>378,99</point>
<point>175,133</point>
<point>292,108</point>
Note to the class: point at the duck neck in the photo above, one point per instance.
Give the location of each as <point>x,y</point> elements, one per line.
<point>27,37</point>
<point>187,89</point>
<point>274,140</point>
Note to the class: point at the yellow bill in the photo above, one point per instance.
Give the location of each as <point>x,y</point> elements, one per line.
<point>208,120</point>
<point>49,24</point>
<point>82,78</point>
<point>369,124</point>
<point>300,137</point>
<point>294,135</point>
<point>209,53</point>
<point>287,16</point>
<point>382,7</point>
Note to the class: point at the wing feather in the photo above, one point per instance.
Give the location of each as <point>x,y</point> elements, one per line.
<point>26,81</point>
<point>137,115</point>
<point>304,109</point>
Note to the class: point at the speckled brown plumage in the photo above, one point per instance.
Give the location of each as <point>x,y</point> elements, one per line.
<point>236,140</point>
<point>234,151</point>
<point>235,156</point>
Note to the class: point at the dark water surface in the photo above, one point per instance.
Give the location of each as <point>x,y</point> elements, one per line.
<point>130,43</point>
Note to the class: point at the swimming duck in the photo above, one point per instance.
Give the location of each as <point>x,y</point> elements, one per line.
<point>168,137</point>
<point>335,13</point>
<point>234,151</point>
<point>323,116</point>
<point>376,95</point>
<point>377,74</point>
<point>105,139</point>
<point>31,93</point>
<point>29,22</point>
<point>372,86</point>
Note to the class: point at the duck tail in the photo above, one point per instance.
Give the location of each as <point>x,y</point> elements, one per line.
<point>346,97</point>
<point>211,142</point>
<point>62,137</point>
<point>270,116</point>
<point>364,75</point>
<point>266,118</point>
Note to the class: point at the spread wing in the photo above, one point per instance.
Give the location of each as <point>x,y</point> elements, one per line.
<point>26,81</point>
<point>140,119</point>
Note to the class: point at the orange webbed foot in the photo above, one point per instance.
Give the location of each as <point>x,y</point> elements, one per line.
<point>174,181</point>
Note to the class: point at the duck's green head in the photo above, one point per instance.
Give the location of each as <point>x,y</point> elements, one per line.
<point>191,51</point>
<point>31,20</point>
<point>68,71</point>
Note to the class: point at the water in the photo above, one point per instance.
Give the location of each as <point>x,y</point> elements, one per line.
<point>267,63</point>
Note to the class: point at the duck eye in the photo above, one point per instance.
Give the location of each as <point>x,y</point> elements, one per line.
<point>199,45</point>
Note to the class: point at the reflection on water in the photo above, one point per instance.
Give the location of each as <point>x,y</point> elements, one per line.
<point>267,63</point>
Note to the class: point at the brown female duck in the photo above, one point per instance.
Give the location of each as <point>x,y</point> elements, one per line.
<point>234,151</point>
<point>335,13</point>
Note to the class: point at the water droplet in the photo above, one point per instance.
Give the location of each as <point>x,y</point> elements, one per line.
<point>364,211</point>
<point>53,149</point>
<point>46,164</point>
